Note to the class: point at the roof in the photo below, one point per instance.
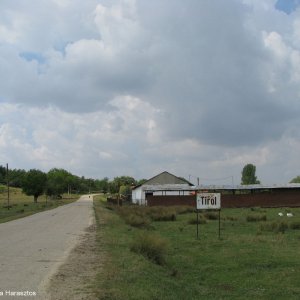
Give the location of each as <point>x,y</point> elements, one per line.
<point>186,187</point>
<point>250,186</point>
<point>165,178</point>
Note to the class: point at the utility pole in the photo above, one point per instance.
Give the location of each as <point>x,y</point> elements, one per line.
<point>7,178</point>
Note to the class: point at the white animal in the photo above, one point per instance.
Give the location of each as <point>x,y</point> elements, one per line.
<point>280,214</point>
<point>289,214</point>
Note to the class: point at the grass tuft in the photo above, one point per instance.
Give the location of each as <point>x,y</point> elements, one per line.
<point>277,226</point>
<point>211,215</point>
<point>295,225</point>
<point>137,220</point>
<point>202,220</point>
<point>151,246</point>
<point>256,218</point>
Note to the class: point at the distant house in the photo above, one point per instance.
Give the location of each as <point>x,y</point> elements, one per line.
<point>175,187</point>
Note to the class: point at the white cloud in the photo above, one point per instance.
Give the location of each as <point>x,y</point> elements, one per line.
<point>144,86</point>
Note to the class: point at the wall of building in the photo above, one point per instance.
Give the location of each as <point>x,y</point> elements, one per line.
<point>138,196</point>
<point>275,198</point>
<point>171,200</point>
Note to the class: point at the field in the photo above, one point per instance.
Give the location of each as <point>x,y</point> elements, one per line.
<point>154,254</point>
<point>21,205</point>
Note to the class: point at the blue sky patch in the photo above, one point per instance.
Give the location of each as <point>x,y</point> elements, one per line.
<point>30,56</point>
<point>288,6</point>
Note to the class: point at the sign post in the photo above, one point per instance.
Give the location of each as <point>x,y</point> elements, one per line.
<point>208,201</point>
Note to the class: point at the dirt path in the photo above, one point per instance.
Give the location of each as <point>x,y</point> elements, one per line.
<point>75,278</point>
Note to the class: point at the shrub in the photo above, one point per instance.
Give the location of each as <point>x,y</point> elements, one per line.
<point>256,218</point>
<point>151,246</point>
<point>277,227</point>
<point>202,220</point>
<point>180,210</point>
<point>162,214</point>
<point>281,227</point>
<point>232,218</point>
<point>211,215</point>
<point>137,221</point>
<point>295,225</point>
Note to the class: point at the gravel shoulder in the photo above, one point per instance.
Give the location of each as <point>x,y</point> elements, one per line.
<point>75,277</point>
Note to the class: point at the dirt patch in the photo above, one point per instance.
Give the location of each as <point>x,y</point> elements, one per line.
<point>75,279</point>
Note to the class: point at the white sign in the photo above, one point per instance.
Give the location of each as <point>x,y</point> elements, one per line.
<point>208,201</point>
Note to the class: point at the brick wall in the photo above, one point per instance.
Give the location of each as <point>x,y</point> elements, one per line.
<point>275,198</point>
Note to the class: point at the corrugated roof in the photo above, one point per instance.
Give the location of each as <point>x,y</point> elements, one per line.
<point>165,178</point>
<point>186,187</point>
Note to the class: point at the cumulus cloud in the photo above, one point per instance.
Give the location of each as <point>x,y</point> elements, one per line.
<point>219,80</point>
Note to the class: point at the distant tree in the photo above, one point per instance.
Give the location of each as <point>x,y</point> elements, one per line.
<point>2,174</point>
<point>248,175</point>
<point>34,183</point>
<point>125,191</point>
<point>141,181</point>
<point>58,182</point>
<point>102,185</point>
<point>16,177</point>
<point>295,180</point>
<point>114,186</point>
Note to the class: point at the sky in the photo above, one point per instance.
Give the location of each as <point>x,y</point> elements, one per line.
<point>105,88</point>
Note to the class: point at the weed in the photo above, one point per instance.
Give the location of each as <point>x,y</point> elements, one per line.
<point>162,213</point>
<point>277,227</point>
<point>295,225</point>
<point>231,218</point>
<point>151,246</point>
<point>211,215</point>
<point>256,218</point>
<point>255,208</point>
<point>136,220</point>
<point>180,210</point>
<point>202,220</point>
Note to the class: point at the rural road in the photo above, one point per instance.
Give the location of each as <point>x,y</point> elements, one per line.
<point>32,248</point>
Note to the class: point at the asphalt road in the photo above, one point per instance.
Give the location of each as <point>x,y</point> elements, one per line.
<point>32,248</point>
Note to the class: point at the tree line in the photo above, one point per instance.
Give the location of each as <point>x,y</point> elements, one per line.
<point>59,181</point>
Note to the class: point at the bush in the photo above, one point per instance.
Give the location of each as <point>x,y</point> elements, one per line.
<point>295,225</point>
<point>136,220</point>
<point>256,218</point>
<point>151,246</point>
<point>180,210</point>
<point>202,220</point>
<point>277,227</point>
<point>232,218</point>
<point>161,213</point>
<point>211,216</point>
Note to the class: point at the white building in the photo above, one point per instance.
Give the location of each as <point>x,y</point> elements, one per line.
<point>160,180</point>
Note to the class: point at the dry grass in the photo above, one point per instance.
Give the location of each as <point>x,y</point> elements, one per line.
<point>152,246</point>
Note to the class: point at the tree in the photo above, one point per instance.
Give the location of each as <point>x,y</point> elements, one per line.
<point>58,182</point>
<point>16,177</point>
<point>114,186</point>
<point>34,183</point>
<point>248,175</point>
<point>2,174</point>
<point>295,180</point>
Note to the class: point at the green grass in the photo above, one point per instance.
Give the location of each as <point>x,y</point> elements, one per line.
<point>246,263</point>
<point>21,205</point>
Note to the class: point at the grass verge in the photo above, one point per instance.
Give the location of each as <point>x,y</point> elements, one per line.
<point>243,264</point>
<point>21,205</point>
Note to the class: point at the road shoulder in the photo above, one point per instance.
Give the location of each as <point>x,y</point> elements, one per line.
<point>75,278</point>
